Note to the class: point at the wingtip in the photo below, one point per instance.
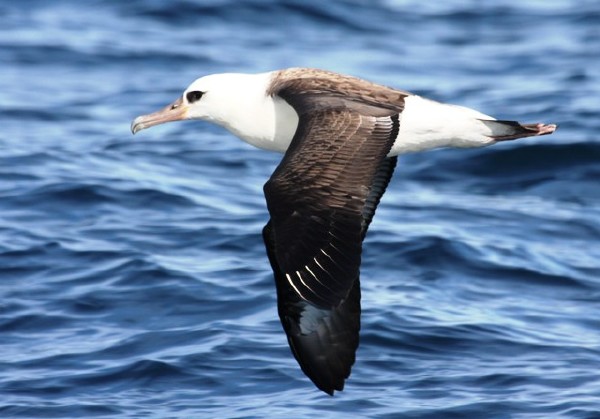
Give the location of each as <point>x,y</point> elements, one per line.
<point>323,341</point>
<point>328,391</point>
<point>330,387</point>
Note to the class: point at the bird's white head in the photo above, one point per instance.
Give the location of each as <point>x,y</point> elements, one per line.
<point>218,97</point>
<point>238,102</point>
<point>210,98</point>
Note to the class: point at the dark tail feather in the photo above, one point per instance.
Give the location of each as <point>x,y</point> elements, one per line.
<point>511,130</point>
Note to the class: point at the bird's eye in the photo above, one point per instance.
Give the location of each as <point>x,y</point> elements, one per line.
<point>194,96</point>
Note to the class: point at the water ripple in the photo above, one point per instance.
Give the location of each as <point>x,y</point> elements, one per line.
<point>133,278</point>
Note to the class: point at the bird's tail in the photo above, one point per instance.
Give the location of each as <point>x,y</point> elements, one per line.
<point>511,130</point>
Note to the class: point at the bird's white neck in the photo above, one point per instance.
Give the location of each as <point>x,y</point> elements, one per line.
<point>249,113</point>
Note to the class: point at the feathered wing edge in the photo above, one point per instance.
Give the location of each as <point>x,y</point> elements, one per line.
<point>324,341</point>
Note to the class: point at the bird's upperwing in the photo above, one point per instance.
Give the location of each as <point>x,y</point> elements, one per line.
<point>321,198</point>
<point>318,198</point>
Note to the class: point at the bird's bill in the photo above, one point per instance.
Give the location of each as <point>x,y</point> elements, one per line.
<point>176,111</point>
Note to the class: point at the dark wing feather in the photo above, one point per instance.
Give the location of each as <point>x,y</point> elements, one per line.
<point>324,341</point>
<point>378,186</point>
<point>317,198</point>
<point>322,198</point>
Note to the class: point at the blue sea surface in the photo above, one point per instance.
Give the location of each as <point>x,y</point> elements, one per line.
<point>133,277</point>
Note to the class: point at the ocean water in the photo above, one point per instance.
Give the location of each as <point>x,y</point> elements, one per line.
<point>133,277</point>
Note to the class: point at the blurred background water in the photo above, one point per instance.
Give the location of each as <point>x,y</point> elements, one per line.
<point>133,278</point>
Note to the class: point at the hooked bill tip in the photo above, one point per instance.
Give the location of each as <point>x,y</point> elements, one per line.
<point>136,126</point>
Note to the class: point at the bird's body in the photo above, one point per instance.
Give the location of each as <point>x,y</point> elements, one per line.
<point>340,136</point>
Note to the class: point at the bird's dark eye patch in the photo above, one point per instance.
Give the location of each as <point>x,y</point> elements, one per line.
<point>194,96</point>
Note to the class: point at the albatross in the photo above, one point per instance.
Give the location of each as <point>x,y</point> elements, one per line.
<point>340,136</point>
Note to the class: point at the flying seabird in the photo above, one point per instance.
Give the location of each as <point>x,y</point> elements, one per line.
<point>340,136</point>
